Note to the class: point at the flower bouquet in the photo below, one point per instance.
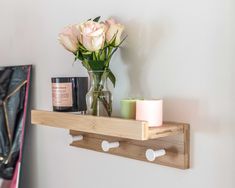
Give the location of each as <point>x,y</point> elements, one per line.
<point>93,43</point>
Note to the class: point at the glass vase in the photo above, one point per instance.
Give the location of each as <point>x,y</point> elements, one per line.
<point>99,98</point>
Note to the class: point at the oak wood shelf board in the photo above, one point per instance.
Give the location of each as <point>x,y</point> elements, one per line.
<point>117,127</point>
<point>135,137</point>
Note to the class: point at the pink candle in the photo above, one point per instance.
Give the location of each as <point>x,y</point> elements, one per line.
<point>150,111</point>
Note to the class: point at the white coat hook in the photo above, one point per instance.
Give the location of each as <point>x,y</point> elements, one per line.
<point>151,155</point>
<point>74,138</point>
<point>108,145</point>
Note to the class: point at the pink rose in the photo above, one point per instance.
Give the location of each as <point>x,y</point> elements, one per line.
<point>92,35</point>
<point>70,37</point>
<point>114,31</point>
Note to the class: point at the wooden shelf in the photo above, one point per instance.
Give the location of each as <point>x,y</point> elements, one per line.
<point>135,136</point>
<point>130,129</point>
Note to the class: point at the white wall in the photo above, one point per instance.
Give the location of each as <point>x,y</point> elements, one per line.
<point>182,51</point>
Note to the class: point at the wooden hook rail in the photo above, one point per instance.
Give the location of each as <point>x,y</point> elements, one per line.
<point>166,145</point>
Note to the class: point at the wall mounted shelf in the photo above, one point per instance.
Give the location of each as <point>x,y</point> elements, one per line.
<point>132,138</point>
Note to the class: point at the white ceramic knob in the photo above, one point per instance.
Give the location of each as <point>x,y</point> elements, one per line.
<point>108,145</point>
<point>74,138</point>
<point>151,155</point>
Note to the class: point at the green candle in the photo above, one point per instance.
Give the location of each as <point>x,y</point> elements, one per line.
<point>128,108</point>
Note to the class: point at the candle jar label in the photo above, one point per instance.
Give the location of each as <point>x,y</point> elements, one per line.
<point>62,94</point>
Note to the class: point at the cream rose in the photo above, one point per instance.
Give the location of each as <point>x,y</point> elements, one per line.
<point>92,35</point>
<point>70,37</point>
<point>114,30</point>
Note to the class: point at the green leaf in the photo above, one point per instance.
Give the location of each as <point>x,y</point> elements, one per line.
<point>77,56</point>
<point>96,65</point>
<point>112,77</point>
<point>97,19</point>
<point>86,53</point>
<point>81,46</point>
<point>112,41</point>
<point>94,56</point>
<point>97,55</point>
<point>117,47</point>
<point>102,54</point>
<point>122,41</point>
<point>86,65</point>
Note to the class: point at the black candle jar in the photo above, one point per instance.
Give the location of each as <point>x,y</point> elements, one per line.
<point>82,89</point>
<point>69,93</point>
<point>64,94</point>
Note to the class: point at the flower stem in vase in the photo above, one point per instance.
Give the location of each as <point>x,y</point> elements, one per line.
<point>99,98</point>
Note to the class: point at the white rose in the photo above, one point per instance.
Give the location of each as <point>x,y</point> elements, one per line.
<point>114,31</point>
<point>69,38</point>
<point>92,35</point>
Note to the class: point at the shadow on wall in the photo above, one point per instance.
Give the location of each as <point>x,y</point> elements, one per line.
<point>192,110</point>
<point>143,40</point>
<point>143,43</point>
<point>197,113</point>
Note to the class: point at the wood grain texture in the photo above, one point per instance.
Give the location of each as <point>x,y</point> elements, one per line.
<point>176,153</point>
<point>168,129</point>
<point>99,125</point>
<point>117,127</point>
<point>135,137</point>
<point>187,146</point>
